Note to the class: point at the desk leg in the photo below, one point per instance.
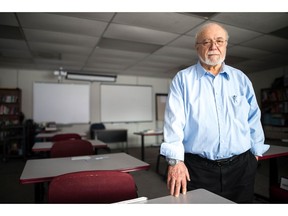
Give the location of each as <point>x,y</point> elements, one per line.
<point>142,148</point>
<point>273,171</point>
<point>273,174</point>
<point>39,192</point>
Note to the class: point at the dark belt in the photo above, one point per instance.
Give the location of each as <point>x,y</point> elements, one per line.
<point>220,162</point>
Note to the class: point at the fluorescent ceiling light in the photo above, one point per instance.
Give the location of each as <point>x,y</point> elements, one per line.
<point>91,77</point>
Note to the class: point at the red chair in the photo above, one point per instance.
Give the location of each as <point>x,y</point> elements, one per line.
<point>65,136</point>
<point>92,187</point>
<point>70,148</point>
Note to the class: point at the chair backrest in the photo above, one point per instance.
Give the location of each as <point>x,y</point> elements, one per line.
<point>96,126</point>
<point>70,148</point>
<point>65,136</point>
<point>92,187</point>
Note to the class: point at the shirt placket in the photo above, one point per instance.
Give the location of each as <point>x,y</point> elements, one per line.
<point>217,83</point>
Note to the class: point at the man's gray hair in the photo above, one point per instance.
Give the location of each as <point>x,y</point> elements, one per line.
<point>203,27</point>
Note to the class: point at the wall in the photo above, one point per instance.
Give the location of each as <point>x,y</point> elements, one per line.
<point>24,79</point>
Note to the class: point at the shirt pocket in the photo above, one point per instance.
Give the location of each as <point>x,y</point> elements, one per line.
<point>239,106</point>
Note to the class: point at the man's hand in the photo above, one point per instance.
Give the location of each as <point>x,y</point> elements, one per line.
<point>177,178</point>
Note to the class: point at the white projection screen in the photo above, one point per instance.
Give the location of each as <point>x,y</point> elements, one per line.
<point>126,103</point>
<point>61,103</point>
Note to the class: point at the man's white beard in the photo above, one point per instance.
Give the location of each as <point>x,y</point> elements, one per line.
<point>211,63</point>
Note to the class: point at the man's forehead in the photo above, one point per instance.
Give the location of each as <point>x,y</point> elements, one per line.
<point>213,32</point>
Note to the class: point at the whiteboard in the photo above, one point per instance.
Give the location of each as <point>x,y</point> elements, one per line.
<point>61,103</point>
<point>126,103</point>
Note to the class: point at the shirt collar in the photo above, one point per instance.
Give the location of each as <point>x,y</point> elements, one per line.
<point>201,71</point>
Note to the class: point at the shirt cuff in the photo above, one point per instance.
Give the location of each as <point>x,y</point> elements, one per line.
<point>259,150</point>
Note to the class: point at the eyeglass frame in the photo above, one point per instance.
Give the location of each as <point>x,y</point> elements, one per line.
<point>210,42</point>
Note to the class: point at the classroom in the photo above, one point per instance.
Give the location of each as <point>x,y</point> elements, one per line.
<point>115,68</point>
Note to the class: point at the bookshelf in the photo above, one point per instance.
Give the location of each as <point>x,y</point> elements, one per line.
<point>274,106</point>
<point>10,106</point>
<point>12,131</point>
<point>13,141</point>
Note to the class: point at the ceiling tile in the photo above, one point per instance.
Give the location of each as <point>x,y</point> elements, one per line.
<point>107,43</point>
<point>168,22</point>
<point>92,16</point>
<point>183,42</point>
<point>269,43</point>
<point>59,38</point>
<point>59,23</point>
<point>177,52</point>
<point>139,34</point>
<point>283,32</point>
<point>247,52</point>
<point>59,48</point>
<point>11,32</point>
<point>112,53</point>
<point>8,19</point>
<point>15,53</point>
<point>13,44</point>
<point>108,60</point>
<point>258,21</point>
<point>239,35</point>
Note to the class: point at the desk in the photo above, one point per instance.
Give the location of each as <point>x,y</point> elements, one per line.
<point>272,154</point>
<point>275,151</point>
<point>111,135</point>
<point>198,196</point>
<point>46,146</point>
<point>143,134</point>
<point>39,171</point>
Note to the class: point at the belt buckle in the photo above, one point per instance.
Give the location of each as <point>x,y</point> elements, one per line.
<point>222,162</point>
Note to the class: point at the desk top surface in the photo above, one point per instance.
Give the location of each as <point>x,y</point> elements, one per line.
<point>46,146</point>
<point>199,196</point>
<point>149,133</point>
<point>275,151</point>
<point>51,134</point>
<point>41,170</point>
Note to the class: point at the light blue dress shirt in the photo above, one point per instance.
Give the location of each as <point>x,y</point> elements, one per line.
<point>215,117</point>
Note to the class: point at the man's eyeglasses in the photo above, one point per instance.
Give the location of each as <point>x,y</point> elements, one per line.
<point>208,43</point>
